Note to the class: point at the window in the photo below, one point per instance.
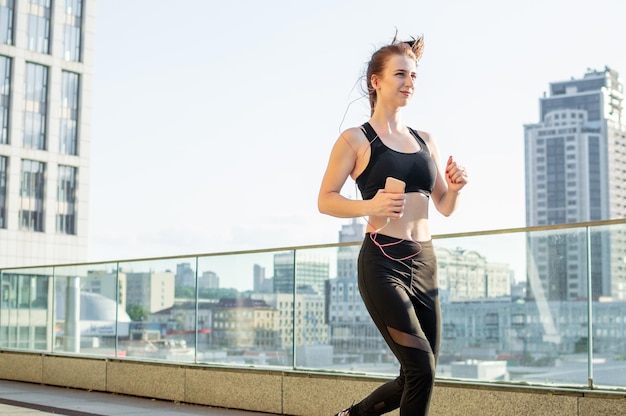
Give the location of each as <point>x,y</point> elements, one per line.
<point>32,195</point>
<point>69,114</point>
<point>3,191</point>
<point>6,21</point>
<point>595,182</point>
<point>556,174</point>
<point>66,200</point>
<point>39,26</point>
<point>72,30</point>
<point>35,106</point>
<point>5,97</point>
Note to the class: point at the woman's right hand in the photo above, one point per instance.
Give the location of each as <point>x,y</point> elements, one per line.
<point>387,204</point>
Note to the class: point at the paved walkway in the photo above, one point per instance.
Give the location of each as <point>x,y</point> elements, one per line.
<point>26,399</point>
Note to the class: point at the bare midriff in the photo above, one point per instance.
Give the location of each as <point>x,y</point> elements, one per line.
<point>413,225</point>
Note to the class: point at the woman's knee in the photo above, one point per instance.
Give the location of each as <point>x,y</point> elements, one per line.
<point>419,366</point>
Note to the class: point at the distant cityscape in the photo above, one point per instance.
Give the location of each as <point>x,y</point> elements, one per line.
<point>486,315</point>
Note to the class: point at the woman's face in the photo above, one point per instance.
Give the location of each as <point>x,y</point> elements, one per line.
<point>396,84</point>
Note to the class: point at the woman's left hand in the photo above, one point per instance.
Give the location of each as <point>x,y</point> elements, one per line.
<point>456,175</point>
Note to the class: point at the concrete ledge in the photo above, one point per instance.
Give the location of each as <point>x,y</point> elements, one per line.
<point>314,394</point>
<point>259,391</point>
<point>21,366</point>
<point>457,400</point>
<point>82,373</point>
<point>155,380</point>
<point>292,392</point>
<point>600,405</point>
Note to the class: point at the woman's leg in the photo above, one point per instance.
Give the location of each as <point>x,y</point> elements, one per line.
<point>408,322</point>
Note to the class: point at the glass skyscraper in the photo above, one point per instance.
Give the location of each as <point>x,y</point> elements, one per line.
<point>575,159</point>
<point>46,59</point>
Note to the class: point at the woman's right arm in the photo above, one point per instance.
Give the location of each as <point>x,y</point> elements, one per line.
<point>342,162</point>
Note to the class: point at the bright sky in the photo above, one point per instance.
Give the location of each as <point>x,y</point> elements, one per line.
<point>213,121</point>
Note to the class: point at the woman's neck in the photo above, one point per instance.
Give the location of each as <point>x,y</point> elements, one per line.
<point>386,121</point>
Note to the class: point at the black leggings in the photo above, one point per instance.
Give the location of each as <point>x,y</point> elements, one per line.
<point>402,299</point>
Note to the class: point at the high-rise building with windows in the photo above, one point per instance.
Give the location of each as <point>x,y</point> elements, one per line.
<point>347,255</point>
<point>466,276</point>
<point>308,269</point>
<point>46,60</point>
<point>576,172</point>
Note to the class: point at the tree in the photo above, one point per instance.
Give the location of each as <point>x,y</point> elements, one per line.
<point>137,312</point>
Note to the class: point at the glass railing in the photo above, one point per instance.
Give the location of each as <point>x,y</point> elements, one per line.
<point>515,308</point>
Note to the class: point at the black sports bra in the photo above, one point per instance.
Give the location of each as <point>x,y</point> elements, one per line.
<point>417,169</point>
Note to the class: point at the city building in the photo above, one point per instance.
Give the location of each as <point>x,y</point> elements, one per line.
<point>209,280</point>
<point>111,285</point>
<point>527,331</point>
<point>235,322</point>
<point>346,255</point>
<point>46,71</point>
<point>153,291</point>
<point>99,322</point>
<point>308,318</point>
<point>261,284</point>
<point>575,172</point>
<point>308,269</point>
<point>354,336</point>
<point>465,275</point>
<point>185,275</point>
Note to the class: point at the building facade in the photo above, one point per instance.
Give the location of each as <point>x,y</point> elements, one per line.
<point>209,280</point>
<point>346,255</point>
<point>308,269</point>
<point>306,316</point>
<point>465,275</point>
<point>185,275</point>
<point>46,60</point>
<point>109,284</point>
<point>236,322</point>
<point>575,159</point>
<point>528,330</point>
<point>153,291</point>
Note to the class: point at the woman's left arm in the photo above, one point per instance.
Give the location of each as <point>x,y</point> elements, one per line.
<point>448,183</point>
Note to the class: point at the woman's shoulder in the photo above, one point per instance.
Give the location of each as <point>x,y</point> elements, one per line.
<point>354,135</point>
<point>355,130</point>
<point>424,135</point>
<point>427,138</point>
